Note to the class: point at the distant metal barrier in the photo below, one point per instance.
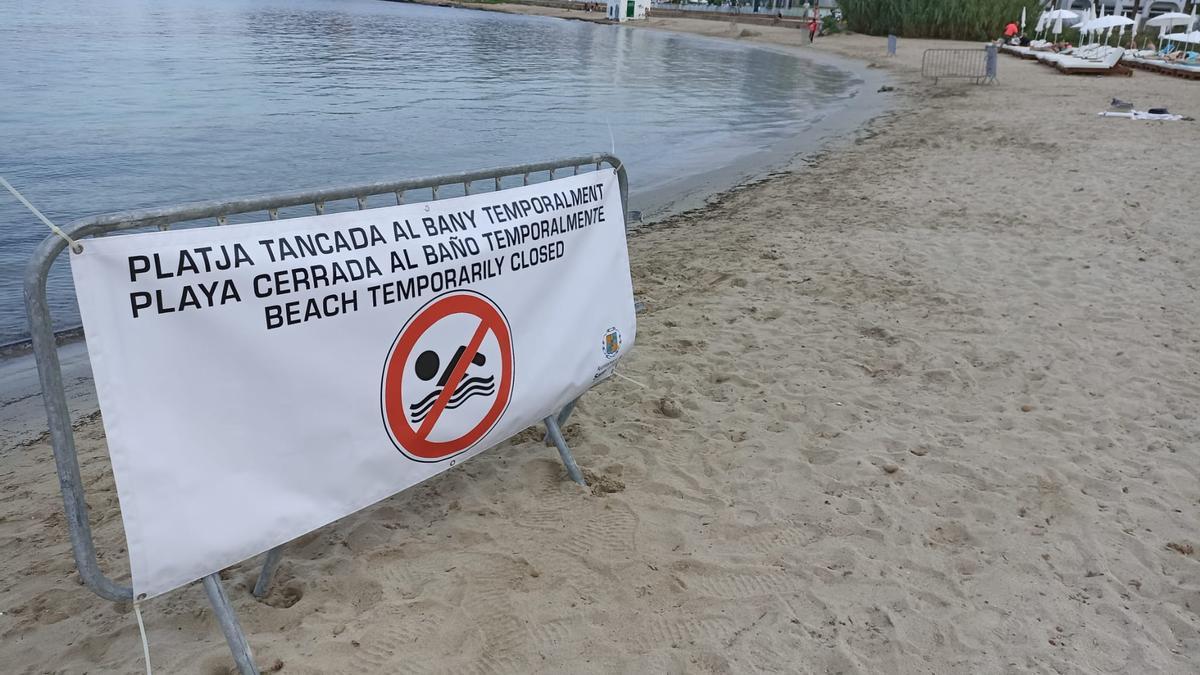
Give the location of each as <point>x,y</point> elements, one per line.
<point>971,64</point>
<point>218,212</point>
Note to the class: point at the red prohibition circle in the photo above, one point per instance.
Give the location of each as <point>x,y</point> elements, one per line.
<point>415,443</point>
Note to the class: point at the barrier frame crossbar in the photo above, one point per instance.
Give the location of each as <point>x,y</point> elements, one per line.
<point>45,348</point>
<point>970,64</point>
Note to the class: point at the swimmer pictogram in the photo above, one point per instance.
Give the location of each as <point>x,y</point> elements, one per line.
<point>448,377</point>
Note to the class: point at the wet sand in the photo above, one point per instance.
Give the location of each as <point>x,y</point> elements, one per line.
<point>927,405</point>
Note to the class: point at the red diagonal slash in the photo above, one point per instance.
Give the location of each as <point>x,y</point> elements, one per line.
<point>414,441</point>
<point>456,376</point>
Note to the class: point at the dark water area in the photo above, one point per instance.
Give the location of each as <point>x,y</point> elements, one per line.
<point>116,104</point>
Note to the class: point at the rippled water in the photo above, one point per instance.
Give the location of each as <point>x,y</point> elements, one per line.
<point>117,104</point>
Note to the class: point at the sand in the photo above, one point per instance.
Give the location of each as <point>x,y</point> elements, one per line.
<point>927,406</point>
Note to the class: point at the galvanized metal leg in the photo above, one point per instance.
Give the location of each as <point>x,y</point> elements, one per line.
<point>563,416</point>
<point>268,570</point>
<point>565,413</point>
<point>229,625</point>
<point>564,451</point>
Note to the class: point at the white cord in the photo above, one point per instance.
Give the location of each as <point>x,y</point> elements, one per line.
<point>75,246</point>
<point>630,379</point>
<point>612,140</point>
<point>137,611</point>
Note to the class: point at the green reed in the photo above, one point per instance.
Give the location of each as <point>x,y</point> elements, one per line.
<point>948,19</point>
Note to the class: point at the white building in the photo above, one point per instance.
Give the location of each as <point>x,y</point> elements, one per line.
<point>627,10</point>
<point>1148,8</point>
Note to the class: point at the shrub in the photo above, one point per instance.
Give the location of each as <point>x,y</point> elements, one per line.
<point>948,19</point>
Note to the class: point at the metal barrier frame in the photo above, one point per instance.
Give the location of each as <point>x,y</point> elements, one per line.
<point>964,64</point>
<point>45,348</point>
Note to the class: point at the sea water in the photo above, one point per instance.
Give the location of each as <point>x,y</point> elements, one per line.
<point>117,104</point>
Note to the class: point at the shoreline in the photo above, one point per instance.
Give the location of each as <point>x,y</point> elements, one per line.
<point>691,192</point>
<point>926,406</point>
<point>22,417</point>
<point>697,190</point>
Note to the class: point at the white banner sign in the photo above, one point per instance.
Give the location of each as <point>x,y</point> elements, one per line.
<point>259,381</point>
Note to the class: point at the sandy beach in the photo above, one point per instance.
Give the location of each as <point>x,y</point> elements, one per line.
<point>924,406</point>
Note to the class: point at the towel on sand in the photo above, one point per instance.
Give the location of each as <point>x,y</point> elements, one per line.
<point>1139,115</point>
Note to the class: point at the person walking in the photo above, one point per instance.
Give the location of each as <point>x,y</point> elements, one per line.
<point>812,29</point>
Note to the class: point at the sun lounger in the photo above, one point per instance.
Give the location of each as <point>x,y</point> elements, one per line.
<point>1110,64</point>
<point>1184,70</point>
<point>1189,71</point>
<point>1017,50</point>
<point>1085,52</point>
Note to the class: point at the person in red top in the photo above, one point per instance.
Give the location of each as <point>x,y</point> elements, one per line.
<point>1011,30</point>
<point>812,28</point>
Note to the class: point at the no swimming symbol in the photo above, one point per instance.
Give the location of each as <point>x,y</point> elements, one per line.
<point>448,377</point>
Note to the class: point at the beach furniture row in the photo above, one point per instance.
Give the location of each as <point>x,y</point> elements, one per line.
<point>1098,59</point>
<point>1177,63</point>
<point>1101,59</point>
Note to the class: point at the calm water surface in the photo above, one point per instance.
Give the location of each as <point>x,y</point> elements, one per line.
<point>117,104</point>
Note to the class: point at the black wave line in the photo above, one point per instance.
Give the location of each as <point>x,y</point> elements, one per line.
<point>481,390</point>
<point>484,384</point>
<point>428,399</point>
<point>418,418</point>
<point>477,382</point>
<point>434,394</point>
<point>470,391</point>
